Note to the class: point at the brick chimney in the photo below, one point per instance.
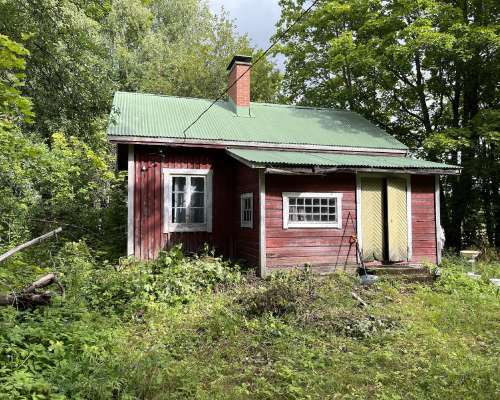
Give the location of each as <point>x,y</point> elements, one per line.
<point>239,94</point>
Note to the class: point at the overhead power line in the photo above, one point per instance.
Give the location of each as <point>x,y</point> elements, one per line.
<point>280,37</point>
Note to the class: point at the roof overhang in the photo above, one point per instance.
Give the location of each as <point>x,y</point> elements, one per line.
<point>223,144</point>
<point>301,163</point>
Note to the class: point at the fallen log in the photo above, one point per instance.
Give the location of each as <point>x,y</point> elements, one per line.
<point>30,297</point>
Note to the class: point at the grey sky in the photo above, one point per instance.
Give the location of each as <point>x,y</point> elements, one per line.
<point>255,17</point>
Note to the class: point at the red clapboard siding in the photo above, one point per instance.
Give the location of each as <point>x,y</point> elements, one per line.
<point>314,246</point>
<point>246,243</point>
<point>149,237</point>
<point>423,219</point>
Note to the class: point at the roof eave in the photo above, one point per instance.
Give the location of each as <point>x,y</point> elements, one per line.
<point>245,144</point>
<point>321,170</point>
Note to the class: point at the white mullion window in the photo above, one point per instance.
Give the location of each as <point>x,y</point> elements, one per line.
<point>188,200</point>
<point>312,210</point>
<point>246,210</point>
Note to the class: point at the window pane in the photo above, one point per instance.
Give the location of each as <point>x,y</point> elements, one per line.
<point>179,215</point>
<point>197,215</point>
<point>178,200</point>
<point>312,209</point>
<point>197,184</point>
<point>197,199</point>
<point>179,183</point>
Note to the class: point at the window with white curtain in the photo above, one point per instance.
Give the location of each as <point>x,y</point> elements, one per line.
<point>188,202</point>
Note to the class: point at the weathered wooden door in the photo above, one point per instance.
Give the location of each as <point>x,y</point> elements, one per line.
<point>397,220</point>
<point>372,218</point>
<point>384,221</point>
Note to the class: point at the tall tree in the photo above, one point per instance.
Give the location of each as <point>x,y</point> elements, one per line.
<point>80,52</point>
<point>427,71</point>
<point>179,47</point>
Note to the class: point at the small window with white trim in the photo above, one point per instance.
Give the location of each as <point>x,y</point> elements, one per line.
<point>188,202</point>
<point>312,210</point>
<point>246,207</point>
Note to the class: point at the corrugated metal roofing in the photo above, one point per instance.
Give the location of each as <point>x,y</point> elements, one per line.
<point>154,116</point>
<point>272,157</point>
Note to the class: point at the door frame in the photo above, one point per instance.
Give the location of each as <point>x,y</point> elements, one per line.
<point>407,177</point>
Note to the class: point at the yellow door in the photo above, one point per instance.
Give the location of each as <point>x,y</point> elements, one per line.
<point>397,221</point>
<point>372,218</point>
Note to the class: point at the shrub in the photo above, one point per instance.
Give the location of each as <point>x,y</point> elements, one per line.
<point>282,293</point>
<point>127,288</point>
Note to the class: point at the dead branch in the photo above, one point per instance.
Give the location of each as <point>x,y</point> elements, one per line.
<point>360,301</point>
<point>30,297</point>
<point>39,239</point>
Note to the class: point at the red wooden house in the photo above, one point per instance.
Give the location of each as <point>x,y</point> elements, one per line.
<point>275,185</point>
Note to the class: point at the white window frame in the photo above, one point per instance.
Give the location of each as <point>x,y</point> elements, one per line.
<point>168,174</point>
<point>309,224</point>
<point>243,197</point>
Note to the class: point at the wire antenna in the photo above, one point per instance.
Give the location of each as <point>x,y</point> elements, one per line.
<point>302,15</point>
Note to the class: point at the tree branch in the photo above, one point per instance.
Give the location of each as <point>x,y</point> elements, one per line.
<point>39,239</point>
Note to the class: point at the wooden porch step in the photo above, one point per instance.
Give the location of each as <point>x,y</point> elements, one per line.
<point>390,270</point>
<point>408,274</point>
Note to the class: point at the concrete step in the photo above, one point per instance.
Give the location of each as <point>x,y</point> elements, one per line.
<point>390,270</point>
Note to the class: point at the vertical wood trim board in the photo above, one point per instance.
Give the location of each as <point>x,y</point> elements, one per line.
<point>130,200</point>
<point>262,223</point>
<point>438,219</point>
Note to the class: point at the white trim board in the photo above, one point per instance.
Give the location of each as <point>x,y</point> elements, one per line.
<point>167,200</point>
<point>437,212</point>
<point>130,200</point>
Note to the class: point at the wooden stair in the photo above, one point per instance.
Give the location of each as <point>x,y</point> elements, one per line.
<point>408,274</point>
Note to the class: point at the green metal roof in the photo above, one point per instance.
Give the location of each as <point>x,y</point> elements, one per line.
<point>153,116</point>
<point>296,158</point>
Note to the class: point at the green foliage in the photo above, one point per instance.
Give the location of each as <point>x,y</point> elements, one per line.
<point>435,342</point>
<point>56,166</point>
<point>133,286</point>
<point>423,70</point>
<point>14,107</point>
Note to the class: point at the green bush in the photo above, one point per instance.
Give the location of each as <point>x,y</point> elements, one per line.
<point>282,293</point>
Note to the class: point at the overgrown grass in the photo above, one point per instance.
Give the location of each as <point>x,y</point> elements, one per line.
<point>198,329</point>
